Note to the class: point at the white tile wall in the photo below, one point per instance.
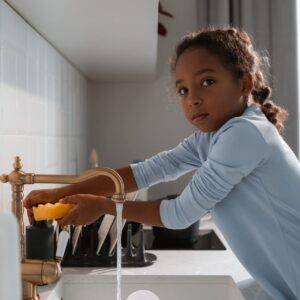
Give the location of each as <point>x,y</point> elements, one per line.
<point>43,105</point>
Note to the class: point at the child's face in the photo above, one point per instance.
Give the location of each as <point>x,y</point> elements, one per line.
<point>210,94</point>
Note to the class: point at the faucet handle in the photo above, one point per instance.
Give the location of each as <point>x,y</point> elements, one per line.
<point>4,178</point>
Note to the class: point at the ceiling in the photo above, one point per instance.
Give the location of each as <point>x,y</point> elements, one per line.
<point>107,40</point>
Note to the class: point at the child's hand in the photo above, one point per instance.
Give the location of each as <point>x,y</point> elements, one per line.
<point>39,197</point>
<point>87,210</point>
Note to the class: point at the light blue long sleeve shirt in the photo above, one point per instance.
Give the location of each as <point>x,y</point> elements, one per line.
<point>249,179</point>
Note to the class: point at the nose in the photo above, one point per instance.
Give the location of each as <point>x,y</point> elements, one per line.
<point>194,99</point>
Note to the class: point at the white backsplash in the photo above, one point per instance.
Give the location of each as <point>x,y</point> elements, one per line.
<point>42,105</point>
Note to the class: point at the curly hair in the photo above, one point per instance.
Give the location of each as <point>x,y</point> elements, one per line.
<point>235,50</point>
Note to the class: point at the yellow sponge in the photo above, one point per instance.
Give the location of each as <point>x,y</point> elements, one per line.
<point>51,211</point>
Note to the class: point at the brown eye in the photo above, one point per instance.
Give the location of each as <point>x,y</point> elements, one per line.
<point>207,82</point>
<point>182,91</point>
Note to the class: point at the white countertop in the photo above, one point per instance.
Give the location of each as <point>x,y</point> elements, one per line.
<point>190,262</point>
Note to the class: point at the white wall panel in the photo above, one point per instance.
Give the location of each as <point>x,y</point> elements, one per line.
<point>42,105</point>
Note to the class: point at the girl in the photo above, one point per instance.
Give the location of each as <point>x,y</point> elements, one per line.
<point>246,175</point>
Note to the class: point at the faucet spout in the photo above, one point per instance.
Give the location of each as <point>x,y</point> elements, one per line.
<point>118,196</point>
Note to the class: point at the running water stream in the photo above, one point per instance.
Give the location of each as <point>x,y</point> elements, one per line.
<point>141,294</point>
<point>119,208</point>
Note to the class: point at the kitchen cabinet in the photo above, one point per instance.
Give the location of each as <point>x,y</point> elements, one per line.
<point>107,40</point>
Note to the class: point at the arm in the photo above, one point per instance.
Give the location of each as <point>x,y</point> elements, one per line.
<point>238,150</point>
<point>141,211</point>
<point>170,165</point>
<point>90,207</point>
<point>164,166</point>
<point>99,185</point>
<point>161,167</point>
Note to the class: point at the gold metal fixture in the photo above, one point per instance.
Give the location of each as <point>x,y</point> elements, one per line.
<point>36,272</point>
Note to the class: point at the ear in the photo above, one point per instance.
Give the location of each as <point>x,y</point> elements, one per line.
<point>247,84</point>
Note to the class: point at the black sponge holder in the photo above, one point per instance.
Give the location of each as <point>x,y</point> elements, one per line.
<point>85,254</point>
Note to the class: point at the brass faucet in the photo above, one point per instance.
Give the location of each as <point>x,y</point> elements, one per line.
<point>36,272</point>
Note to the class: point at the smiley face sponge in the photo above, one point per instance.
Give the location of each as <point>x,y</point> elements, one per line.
<point>51,211</point>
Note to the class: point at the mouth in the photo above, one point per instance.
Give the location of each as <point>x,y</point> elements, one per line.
<point>199,116</point>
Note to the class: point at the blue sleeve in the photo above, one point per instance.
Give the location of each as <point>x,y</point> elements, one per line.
<point>171,164</point>
<point>237,151</point>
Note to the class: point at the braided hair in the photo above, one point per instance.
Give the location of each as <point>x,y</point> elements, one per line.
<point>235,50</point>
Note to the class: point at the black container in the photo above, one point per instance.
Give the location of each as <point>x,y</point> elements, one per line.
<point>40,240</point>
<point>189,234</point>
<point>85,255</point>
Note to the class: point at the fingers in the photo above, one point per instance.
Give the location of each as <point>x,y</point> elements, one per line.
<point>30,215</point>
<point>72,216</point>
<point>27,203</point>
<point>33,198</point>
<point>64,221</point>
<point>69,219</point>
<point>40,196</point>
<point>30,201</point>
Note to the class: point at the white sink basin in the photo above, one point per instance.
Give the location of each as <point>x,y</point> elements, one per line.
<point>165,287</point>
<point>10,278</point>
